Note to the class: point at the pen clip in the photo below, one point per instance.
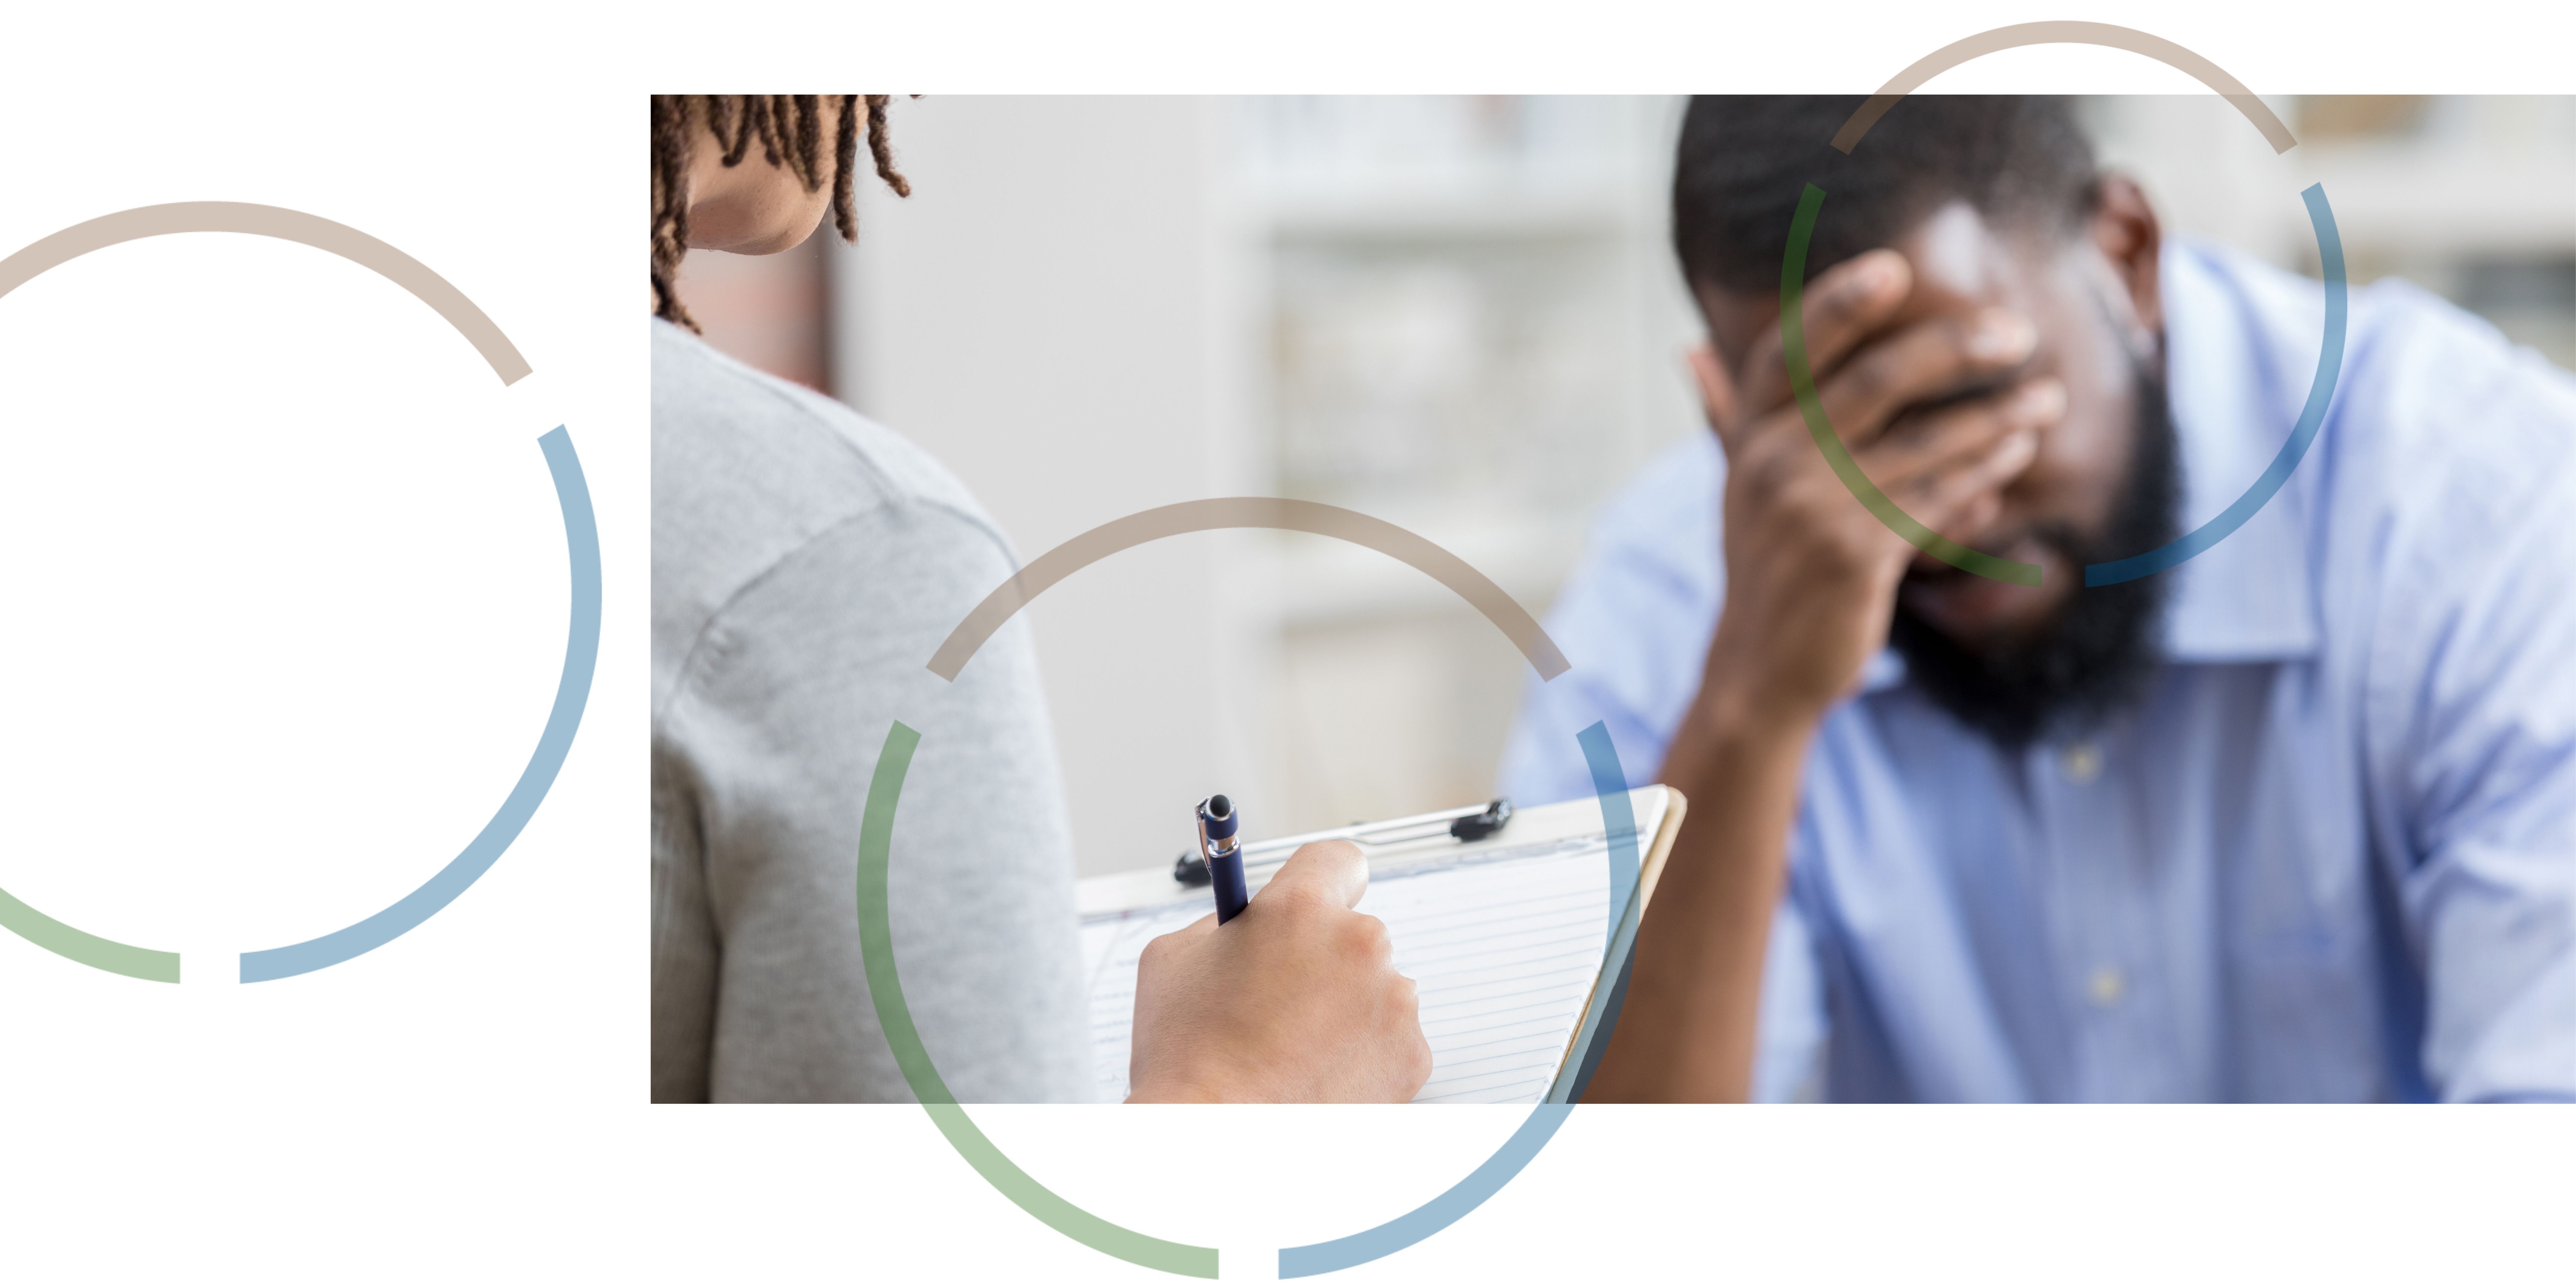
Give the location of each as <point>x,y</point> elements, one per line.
<point>1467,824</point>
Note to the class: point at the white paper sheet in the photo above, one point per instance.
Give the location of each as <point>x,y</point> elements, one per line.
<point>1503,945</point>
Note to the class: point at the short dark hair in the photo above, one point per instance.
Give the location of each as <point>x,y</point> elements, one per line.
<point>1745,159</point>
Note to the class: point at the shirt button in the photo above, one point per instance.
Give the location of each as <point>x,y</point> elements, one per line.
<point>2082,762</point>
<point>2106,986</point>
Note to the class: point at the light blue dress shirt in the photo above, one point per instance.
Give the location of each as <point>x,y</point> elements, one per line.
<point>2330,856</point>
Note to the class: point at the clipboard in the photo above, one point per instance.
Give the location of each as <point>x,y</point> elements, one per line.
<point>1509,936</point>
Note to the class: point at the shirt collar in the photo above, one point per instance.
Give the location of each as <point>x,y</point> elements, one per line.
<point>2232,374</point>
<point>2240,351</point>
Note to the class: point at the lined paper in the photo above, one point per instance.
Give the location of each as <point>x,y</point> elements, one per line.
<point>1503,945</point>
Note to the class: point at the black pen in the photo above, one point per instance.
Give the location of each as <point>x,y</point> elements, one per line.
<point>1224,855</point>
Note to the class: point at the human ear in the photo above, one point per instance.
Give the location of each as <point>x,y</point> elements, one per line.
<point>1716,389</point>
<point>2123,228</point>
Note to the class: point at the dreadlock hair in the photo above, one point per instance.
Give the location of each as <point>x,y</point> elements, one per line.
<point>789,130</point>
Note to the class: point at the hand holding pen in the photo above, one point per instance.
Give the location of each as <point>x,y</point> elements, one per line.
<point>1294,999</point>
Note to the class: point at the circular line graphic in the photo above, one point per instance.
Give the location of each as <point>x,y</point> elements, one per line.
<point>2104,34</point>
<point>894,1017</point>
<point>2256,495</point>
<point>1274,512</point>
<point>285,225</point>
<point>87,949</point>
<point>876,839</point>
<point>1619,826</point>
<point>581,538</point>
<point>572,695</point>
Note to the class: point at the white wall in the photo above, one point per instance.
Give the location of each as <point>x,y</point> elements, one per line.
<point>1091,306</point>
<point>1053,314</point>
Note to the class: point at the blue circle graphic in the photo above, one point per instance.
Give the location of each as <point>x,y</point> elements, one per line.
<point>572,695</point>
<point>581,536</point>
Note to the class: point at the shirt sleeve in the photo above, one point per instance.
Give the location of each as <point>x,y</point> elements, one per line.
<point>1634,621</point>
<point>2474,691</point>
<point>1789,1034</point>
<point>762,761</point>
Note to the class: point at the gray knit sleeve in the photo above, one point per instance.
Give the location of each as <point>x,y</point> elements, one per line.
<point>761,764</point>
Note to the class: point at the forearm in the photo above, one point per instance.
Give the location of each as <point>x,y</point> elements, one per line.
<point>1686,1029</point>
<point>1811,581</point>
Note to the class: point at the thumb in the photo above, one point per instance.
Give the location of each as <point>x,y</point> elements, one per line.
<point>1325,869</point>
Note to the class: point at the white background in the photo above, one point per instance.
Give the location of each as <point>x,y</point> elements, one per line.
<point>289,604</point>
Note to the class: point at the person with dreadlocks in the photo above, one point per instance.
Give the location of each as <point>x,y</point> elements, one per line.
<point>806,562</point>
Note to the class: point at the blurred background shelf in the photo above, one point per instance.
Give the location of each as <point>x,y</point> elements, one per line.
<point>2473,198</point>
<point>1457,313</point>
<point>1471,329</point>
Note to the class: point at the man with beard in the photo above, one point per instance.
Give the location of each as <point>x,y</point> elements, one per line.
<point>2295,820</point>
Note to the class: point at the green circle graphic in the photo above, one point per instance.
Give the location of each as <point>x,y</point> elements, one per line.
<point>1793,338</point>
<point>876,842</point>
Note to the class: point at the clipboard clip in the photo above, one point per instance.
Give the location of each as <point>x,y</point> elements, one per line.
<point>1467,823</point>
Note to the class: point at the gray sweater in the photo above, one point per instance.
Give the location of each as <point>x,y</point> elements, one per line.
<point>806,562</point>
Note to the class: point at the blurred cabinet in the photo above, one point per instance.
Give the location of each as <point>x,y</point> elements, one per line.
<point>2470,196</point>
<point>1472,328</point>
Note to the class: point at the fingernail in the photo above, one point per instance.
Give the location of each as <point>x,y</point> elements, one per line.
<point>2044,399</point>
<point>2013,455</point>
<point>2002,336</point>
<point>1870,276</point>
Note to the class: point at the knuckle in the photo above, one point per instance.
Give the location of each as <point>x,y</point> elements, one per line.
<point>1297,903</point>
<point>1328,852</point>
<point>1365,937</point>
<point>1962,335</point>
<point>1870,379</point>
<point>1837,300</point>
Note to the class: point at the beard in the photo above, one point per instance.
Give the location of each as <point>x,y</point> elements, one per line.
<point>2095,656</point>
